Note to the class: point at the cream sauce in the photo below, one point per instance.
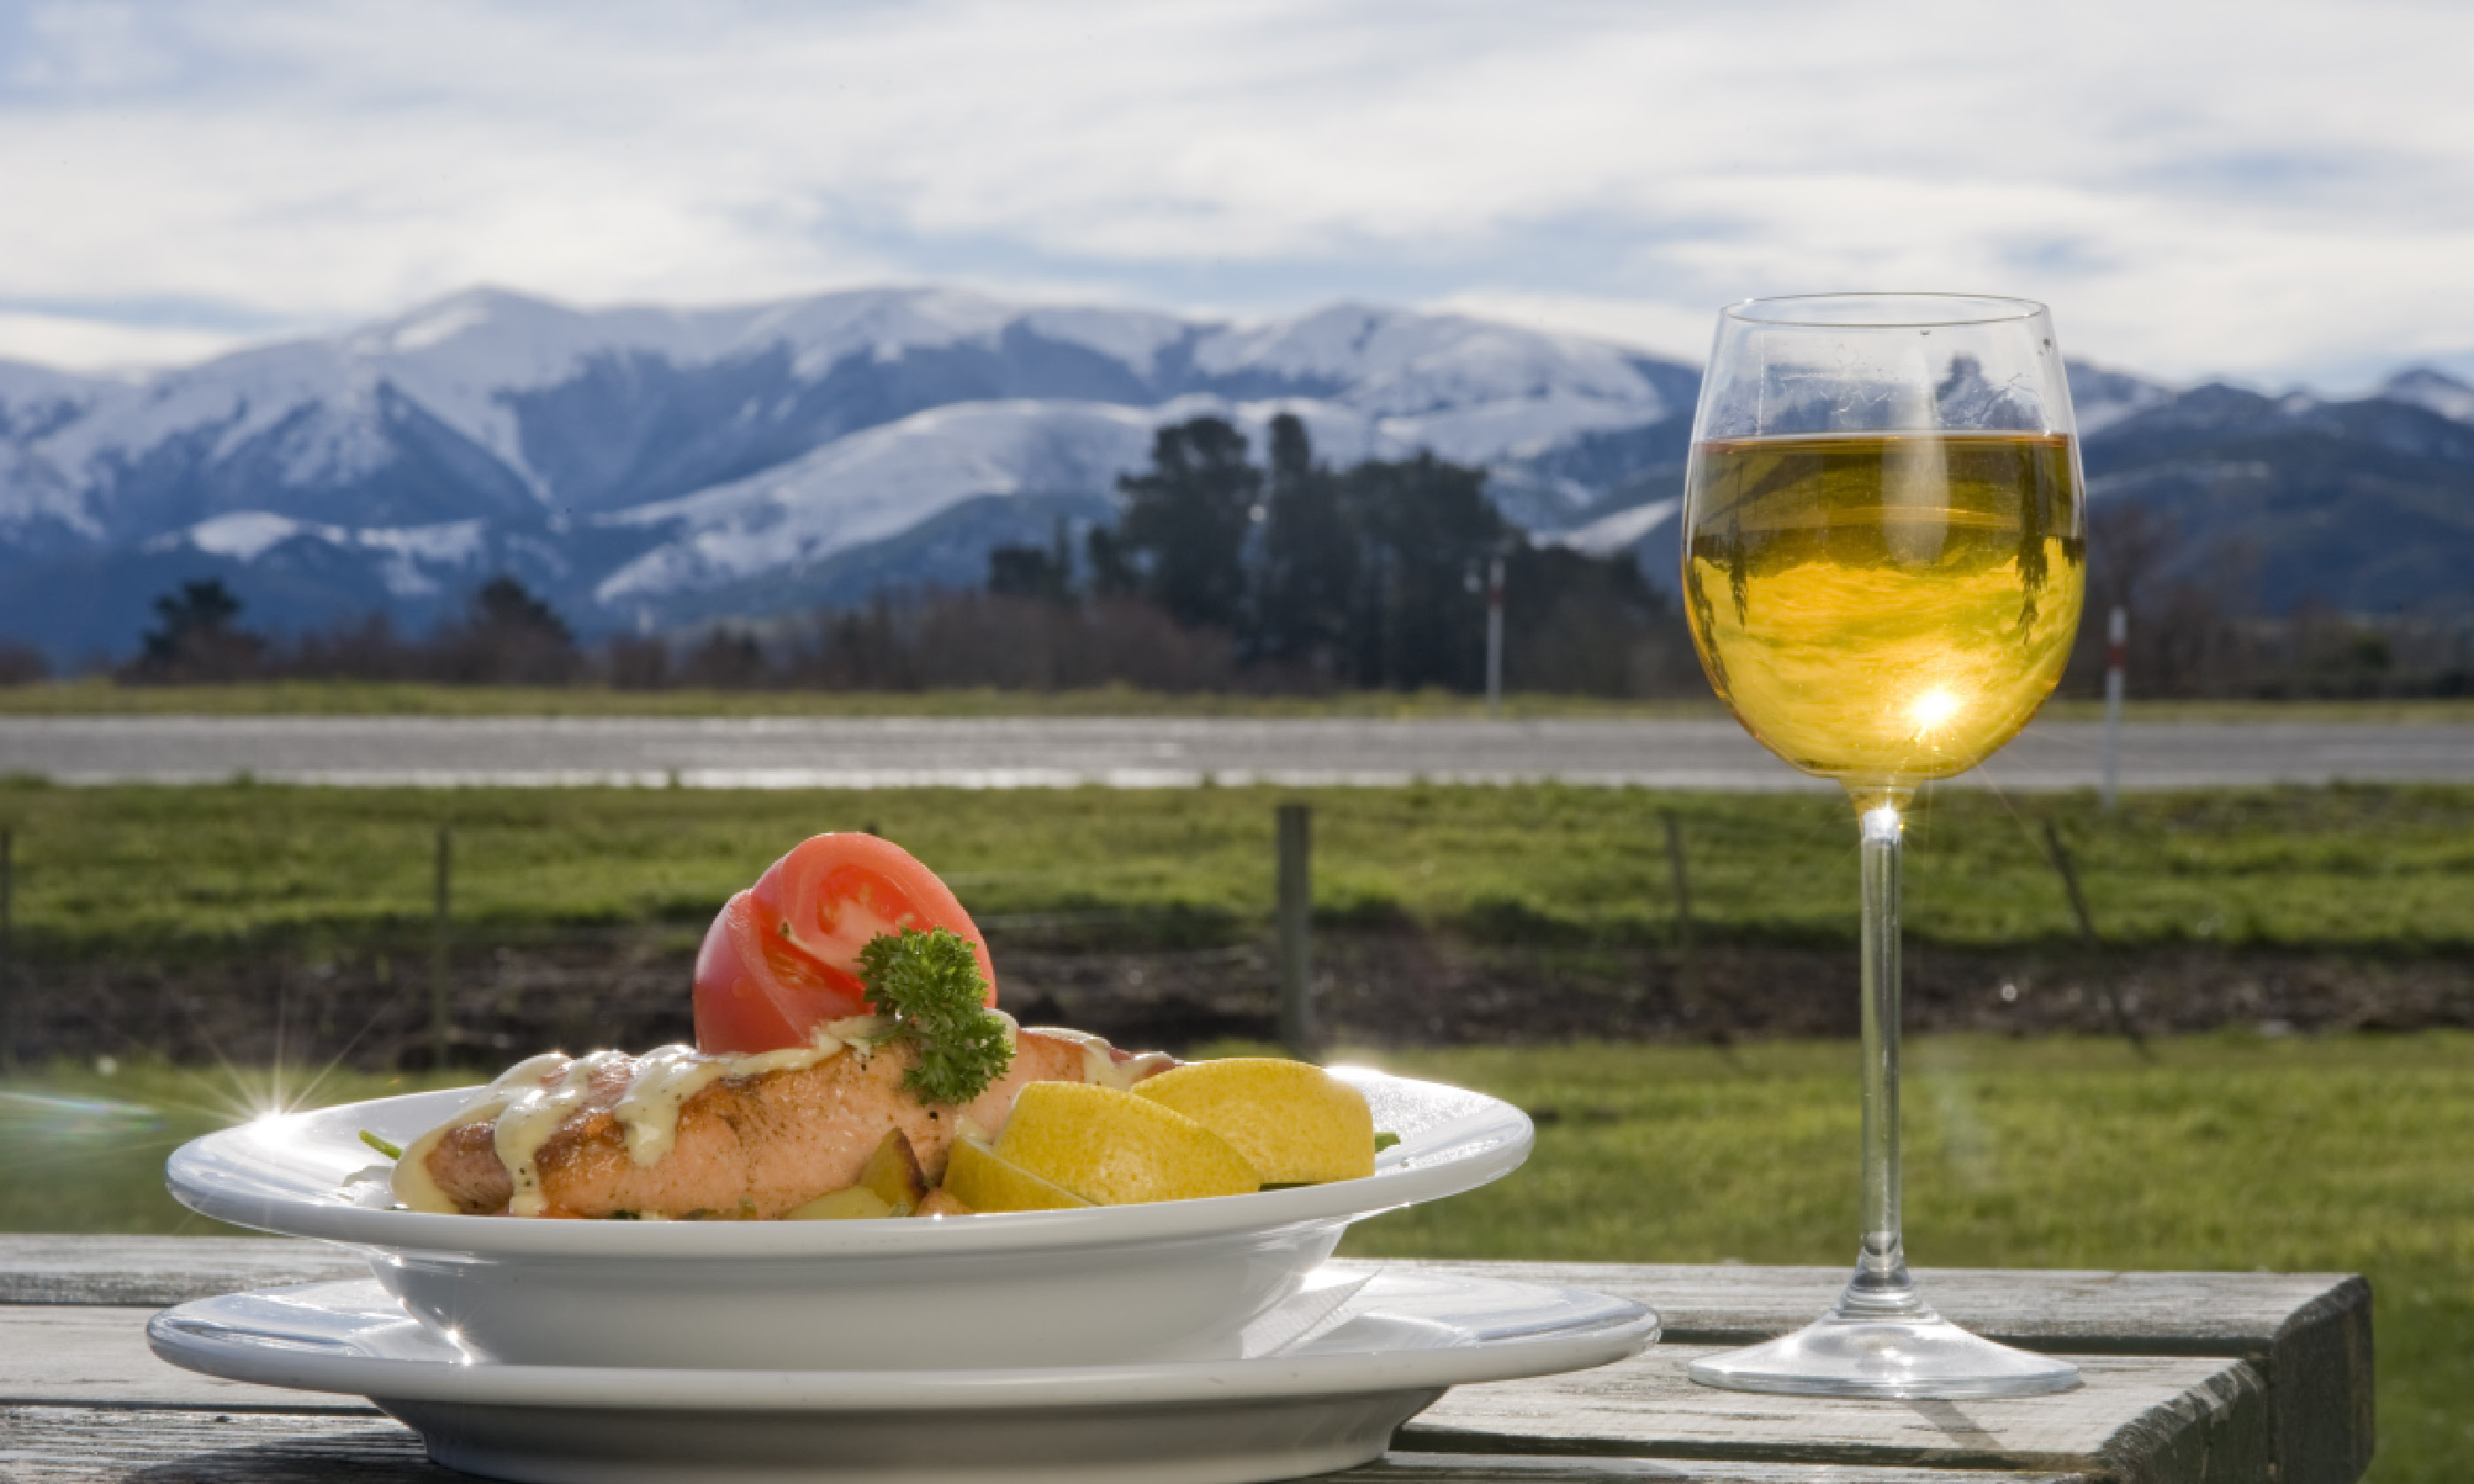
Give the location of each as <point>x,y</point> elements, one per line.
<point>1012,1032</point>
<point>668,1076</point>
<point>415,1187</point>
<point>1100,1064</point>
<point>532,1116</point>
<point>533,1098</point>
<point>648,1113</point>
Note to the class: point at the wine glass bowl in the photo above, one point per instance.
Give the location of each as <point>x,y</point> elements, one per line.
<point>1884,558</point>
<point>1884,544</point>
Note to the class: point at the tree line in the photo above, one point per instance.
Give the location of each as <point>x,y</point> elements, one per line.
<point>1290,576</point>
<point>505,635</point>
<point>1372,577</point>
<point>1220,575</point>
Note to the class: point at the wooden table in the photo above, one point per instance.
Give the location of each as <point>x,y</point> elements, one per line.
<point>2226,1378</point>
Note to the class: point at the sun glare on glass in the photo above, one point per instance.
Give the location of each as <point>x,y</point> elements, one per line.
<point>1932,708</point>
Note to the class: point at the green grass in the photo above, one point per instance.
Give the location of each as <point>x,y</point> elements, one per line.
<point>2228,1152</point>
<point>387,697</point>
<point>236,869</point>
<point>82,1147</point>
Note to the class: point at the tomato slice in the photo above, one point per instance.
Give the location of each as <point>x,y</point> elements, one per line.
<point>782,957</point>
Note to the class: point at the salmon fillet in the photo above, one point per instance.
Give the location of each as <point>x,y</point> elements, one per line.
<point>746,1148</point>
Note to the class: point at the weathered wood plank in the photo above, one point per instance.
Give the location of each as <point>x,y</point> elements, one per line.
<point>2142,1419</point>
<point>80,1446</point>
<point>1411,1468</point>
<point>2084,1313</point>
<point>92,1357</point>
<point>161,1270</point>
<point>2320,1372</point>
<point>2170,1420</point>
<point>106,1446</point>
<point>2309,1335</point>
<point>2242,1314</point>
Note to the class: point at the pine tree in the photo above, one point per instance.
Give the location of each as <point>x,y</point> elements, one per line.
<point>1027,571</point>
<point>1190,517</point>
<point>199,614</point>
<point>1309,560</point>
<point>507,636</point>
<point>1112,571</point>
<point>1426,530</point>
<point>198,637</point>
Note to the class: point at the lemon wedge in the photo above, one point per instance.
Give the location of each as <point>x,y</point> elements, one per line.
<point>985,1181</point>
<point>1115,1149</point>
<point>1292,1121</point>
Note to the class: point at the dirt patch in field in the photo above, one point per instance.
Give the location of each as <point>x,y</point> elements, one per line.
<point>1386,988</point>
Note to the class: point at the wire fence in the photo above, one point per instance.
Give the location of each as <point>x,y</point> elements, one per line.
<point>431,988</point>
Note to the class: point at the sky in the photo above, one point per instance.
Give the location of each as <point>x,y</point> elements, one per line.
<point>2274,191</point>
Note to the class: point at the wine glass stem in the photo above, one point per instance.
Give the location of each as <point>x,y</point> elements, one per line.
<point>1880,1287</point>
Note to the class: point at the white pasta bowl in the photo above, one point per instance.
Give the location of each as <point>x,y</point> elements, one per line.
<point>1177,1280</point>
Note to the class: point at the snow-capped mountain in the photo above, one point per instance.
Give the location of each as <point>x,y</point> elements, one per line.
<point>634,462</point>
<point>646,466</point>
<point>2100,399</point>
<point>2367,506</point>
<point>2432,391</point>
<point>1627,484</point>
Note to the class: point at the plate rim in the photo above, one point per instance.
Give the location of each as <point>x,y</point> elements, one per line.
<point>1629,1330</point>
<point>194,1182</point>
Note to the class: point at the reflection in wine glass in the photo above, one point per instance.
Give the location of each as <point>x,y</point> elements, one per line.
<point>1883,557</point>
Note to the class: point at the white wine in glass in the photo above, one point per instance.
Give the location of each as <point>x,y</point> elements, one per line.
<point>1884,553</point>
<point>1885,608</point>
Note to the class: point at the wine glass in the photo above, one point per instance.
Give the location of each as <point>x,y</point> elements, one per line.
<point>1884,549</point>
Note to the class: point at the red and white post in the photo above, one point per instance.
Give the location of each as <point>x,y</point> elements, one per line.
<point>2116,637</point>
<point>1494,636</point>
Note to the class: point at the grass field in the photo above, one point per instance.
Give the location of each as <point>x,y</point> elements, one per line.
<point>2225,1152</point>
<point>367,698</point>
<point>2348,1155</point>
<point>239,869</point>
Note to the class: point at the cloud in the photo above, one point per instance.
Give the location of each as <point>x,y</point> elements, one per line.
<point>2270,193</point>
<point>87,344</point>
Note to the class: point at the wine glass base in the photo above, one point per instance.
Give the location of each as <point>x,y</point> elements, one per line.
<point>1931,1359</point>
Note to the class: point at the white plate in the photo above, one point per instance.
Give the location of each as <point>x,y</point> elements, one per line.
<point>1175,1281</point>
<point>1326,1378</point>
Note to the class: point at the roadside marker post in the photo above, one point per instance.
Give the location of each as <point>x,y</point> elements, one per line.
<point>1494,636</point>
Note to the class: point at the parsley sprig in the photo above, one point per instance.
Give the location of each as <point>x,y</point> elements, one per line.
<point>930,983</point>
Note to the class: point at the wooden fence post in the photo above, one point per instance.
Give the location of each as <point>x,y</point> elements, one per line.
<point>1295,914</point>
<point>439,1008</point>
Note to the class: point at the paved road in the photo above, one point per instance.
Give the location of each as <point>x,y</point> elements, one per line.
<point>1143,752</point>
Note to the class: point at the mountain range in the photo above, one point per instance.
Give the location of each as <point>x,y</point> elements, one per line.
<point>651,470</point>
